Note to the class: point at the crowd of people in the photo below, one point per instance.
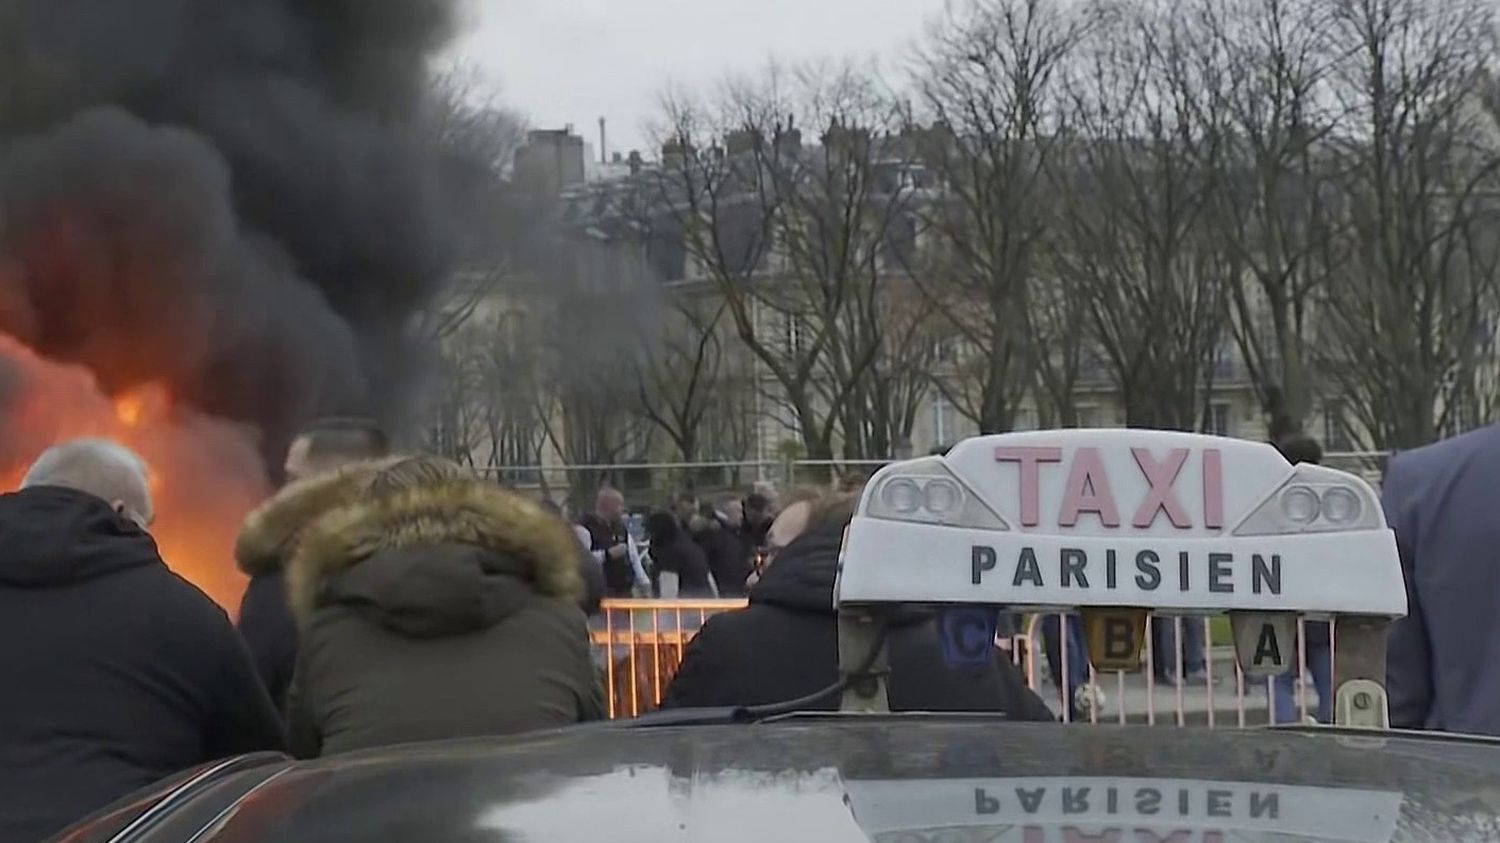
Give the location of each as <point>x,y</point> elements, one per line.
<point>395,598</point>
<point>392,598</point>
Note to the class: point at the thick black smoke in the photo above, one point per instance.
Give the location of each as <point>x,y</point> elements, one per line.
<point>241,196</point>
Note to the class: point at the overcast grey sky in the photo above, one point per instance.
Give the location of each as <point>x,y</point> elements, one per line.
<point>571,61</point>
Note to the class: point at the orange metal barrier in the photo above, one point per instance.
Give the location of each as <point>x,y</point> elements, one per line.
<point>638,645</point>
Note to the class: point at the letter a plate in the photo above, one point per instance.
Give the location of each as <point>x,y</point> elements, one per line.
<point>1114,637</point>
<point>1265,643</point>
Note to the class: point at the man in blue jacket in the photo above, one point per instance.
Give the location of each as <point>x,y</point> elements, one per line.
<point>1443,665</point>
<point>118,672</point>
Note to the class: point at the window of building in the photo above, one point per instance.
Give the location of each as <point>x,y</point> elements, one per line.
<point>1336,428</point>
<point>942,421</point>
<point>792,325</point>
<point>1219,422</point>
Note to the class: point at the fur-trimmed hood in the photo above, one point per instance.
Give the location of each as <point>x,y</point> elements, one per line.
<point>438,559</point>
<point>269,534</point>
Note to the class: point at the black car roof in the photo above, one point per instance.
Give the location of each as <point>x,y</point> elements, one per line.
<point>872,778</point>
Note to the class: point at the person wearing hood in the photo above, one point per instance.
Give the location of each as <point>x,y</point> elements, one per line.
<point>269,534</point>
<point>119,672</point>
<point>436,605</point>
<point>784,645</point>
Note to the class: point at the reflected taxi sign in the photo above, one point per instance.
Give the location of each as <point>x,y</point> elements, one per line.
<point>1149,519</point>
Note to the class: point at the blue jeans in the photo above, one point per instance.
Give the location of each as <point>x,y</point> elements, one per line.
<point>1284,687</point>
<point>1165,646</point>
<point>1078,658</point>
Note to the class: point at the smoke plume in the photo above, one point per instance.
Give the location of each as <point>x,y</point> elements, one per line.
<point>238,198</point>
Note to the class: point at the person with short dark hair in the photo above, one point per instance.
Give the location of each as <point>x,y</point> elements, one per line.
<point>784,645</point>
<point>758,518</point>
<point>1301,448</point>
<point>685,507</point>
<point>268,537</point>
<point>118,671</point>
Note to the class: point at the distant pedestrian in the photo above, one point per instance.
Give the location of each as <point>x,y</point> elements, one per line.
<point>727,556</point>
<point>118,672</point>
<point>613,547</point>
<point>759,513</point>
<point>1443,660</point>
<point>1317,644</point>
<point>685,507</point>
<point>268,537</point>
<point>784,645</point>
<point>436,605</point>
<point>588,570</point>
<point>678,565</point>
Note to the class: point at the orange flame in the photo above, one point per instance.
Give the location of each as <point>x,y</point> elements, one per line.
<point>204,473</point>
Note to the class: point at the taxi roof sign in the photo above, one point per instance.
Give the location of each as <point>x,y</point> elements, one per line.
<point>1109,518</point>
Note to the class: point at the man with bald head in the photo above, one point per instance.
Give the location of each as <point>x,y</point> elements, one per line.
<point>612,547</point>
<point>116,671</point>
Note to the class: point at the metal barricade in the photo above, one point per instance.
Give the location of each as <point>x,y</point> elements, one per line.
<point>1218,695</point>
<point>638,645</point>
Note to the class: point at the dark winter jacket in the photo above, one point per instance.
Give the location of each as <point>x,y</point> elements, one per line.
<point>447,610</point>
<point>262,551</point>
<point>673,551</point>
<point>1443,657</point>
<point>728,557</point>
<point>118,672</point>
<point>784,645</point>
<point>619,578</point>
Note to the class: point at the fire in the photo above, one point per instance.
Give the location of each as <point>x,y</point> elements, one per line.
<point>204,473</point>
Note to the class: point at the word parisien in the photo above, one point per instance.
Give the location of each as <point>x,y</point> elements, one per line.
<point>1073,570</point>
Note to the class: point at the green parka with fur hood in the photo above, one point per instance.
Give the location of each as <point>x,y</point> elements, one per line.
<point>445,610</point>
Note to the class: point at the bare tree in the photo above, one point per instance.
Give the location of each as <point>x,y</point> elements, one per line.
<point>989,78</point>
<point>1276,212</point>
<point>791,235</point>
<point>1137,179</point>
<point>678,374</point>
<point>1404,320</point>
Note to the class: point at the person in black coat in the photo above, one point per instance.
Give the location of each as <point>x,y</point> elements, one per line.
<point>679,568</point>
<point>784,645</point>
<point>119,672</point>
<point>267,540</point>
<point>728,557</point>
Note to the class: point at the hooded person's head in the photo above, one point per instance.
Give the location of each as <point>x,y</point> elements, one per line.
<point>99,467</point>
<point>427,548</point>
<point>827,514</point>
<point>662,527</point>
